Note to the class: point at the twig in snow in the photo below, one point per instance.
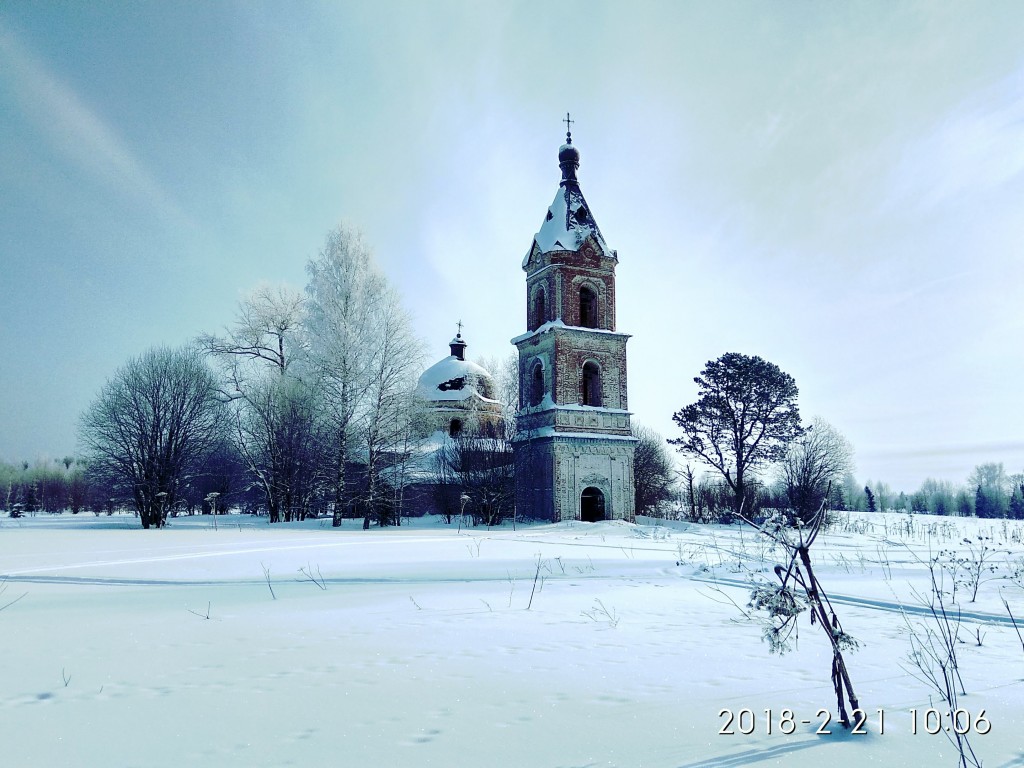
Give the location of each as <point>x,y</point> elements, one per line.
<point>201,616</point>
<point>318,579</point>
<point>536,576</point>
<point>601,613</point>
<point>1014,620</point>
<point>266,574</point>
<point>3,588</point>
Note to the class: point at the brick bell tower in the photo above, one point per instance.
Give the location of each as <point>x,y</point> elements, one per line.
<point>573,447</point>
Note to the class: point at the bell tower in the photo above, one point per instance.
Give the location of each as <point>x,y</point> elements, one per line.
<point>573,446</point>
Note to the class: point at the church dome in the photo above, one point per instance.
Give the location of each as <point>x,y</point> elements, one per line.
<point>455,379</point>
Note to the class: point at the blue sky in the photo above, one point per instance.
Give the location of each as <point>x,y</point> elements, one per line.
<point>835,187</point>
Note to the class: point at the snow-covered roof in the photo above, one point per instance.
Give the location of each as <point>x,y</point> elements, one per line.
<point>455,380</point>
<point>551,325</point>
<point>568,224</point>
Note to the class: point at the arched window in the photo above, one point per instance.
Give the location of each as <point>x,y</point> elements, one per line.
<point>537,384</point>
<point>591,384</point>
<point>455,428</point>
<point>540,311</point>
<point>588,307</point>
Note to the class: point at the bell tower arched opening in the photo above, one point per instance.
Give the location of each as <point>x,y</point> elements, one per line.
<point>588,307</point>
<point>590,384</point>
<point>540,309</point>
<point>537,384</point>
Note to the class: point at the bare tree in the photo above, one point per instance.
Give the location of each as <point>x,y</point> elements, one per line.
<point>654,471</point>
<point>151,424</point>
<point>406,435</point>
<point>265,329</point>
<point>279,438</point>
<point>479,466</point>
<point>814,463</point>
<point>505,371</point>
<point>387,412</point>
<point>276,422</point>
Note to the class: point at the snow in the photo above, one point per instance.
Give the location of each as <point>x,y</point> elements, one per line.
<point>440,382</point>
<point>591,408</point>
<point>421,650</point>
<point>551,325</point>
<point>566,227</point>
<point>554,432</point>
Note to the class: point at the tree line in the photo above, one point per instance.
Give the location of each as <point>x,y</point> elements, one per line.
<point>746,427</point>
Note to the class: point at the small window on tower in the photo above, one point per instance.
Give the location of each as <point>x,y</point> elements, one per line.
<point>550,215</point>
<point>581,214</point>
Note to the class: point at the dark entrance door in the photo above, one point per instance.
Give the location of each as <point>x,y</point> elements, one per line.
<point>591,505</point>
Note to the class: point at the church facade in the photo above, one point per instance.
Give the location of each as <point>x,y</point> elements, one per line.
<point>573,445</point>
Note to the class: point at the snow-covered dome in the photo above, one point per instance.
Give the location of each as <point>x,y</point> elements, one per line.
<point>455,379</point>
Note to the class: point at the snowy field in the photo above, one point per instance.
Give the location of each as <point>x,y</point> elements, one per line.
<point>253,645</point>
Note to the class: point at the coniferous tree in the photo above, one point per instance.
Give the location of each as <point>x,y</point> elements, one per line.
<point>872,506</point>
<point>746,416</point>
<point>983,503</point>
<point>1016,508</point>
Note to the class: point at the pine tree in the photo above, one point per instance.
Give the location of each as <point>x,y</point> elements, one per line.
<point>1017,503</point>
<point>982,503</point>
<point>872,506</point>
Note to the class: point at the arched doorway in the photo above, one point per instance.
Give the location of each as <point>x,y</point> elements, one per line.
<point>591,505</point>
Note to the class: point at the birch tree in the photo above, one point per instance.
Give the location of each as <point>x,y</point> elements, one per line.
<point>362,352</point>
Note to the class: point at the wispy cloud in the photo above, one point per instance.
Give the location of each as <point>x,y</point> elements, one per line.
<point>995,448</point>
<point>975,149</point>
<point>75,130</point>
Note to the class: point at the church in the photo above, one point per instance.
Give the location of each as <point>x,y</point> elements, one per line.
<point>573,447</point>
